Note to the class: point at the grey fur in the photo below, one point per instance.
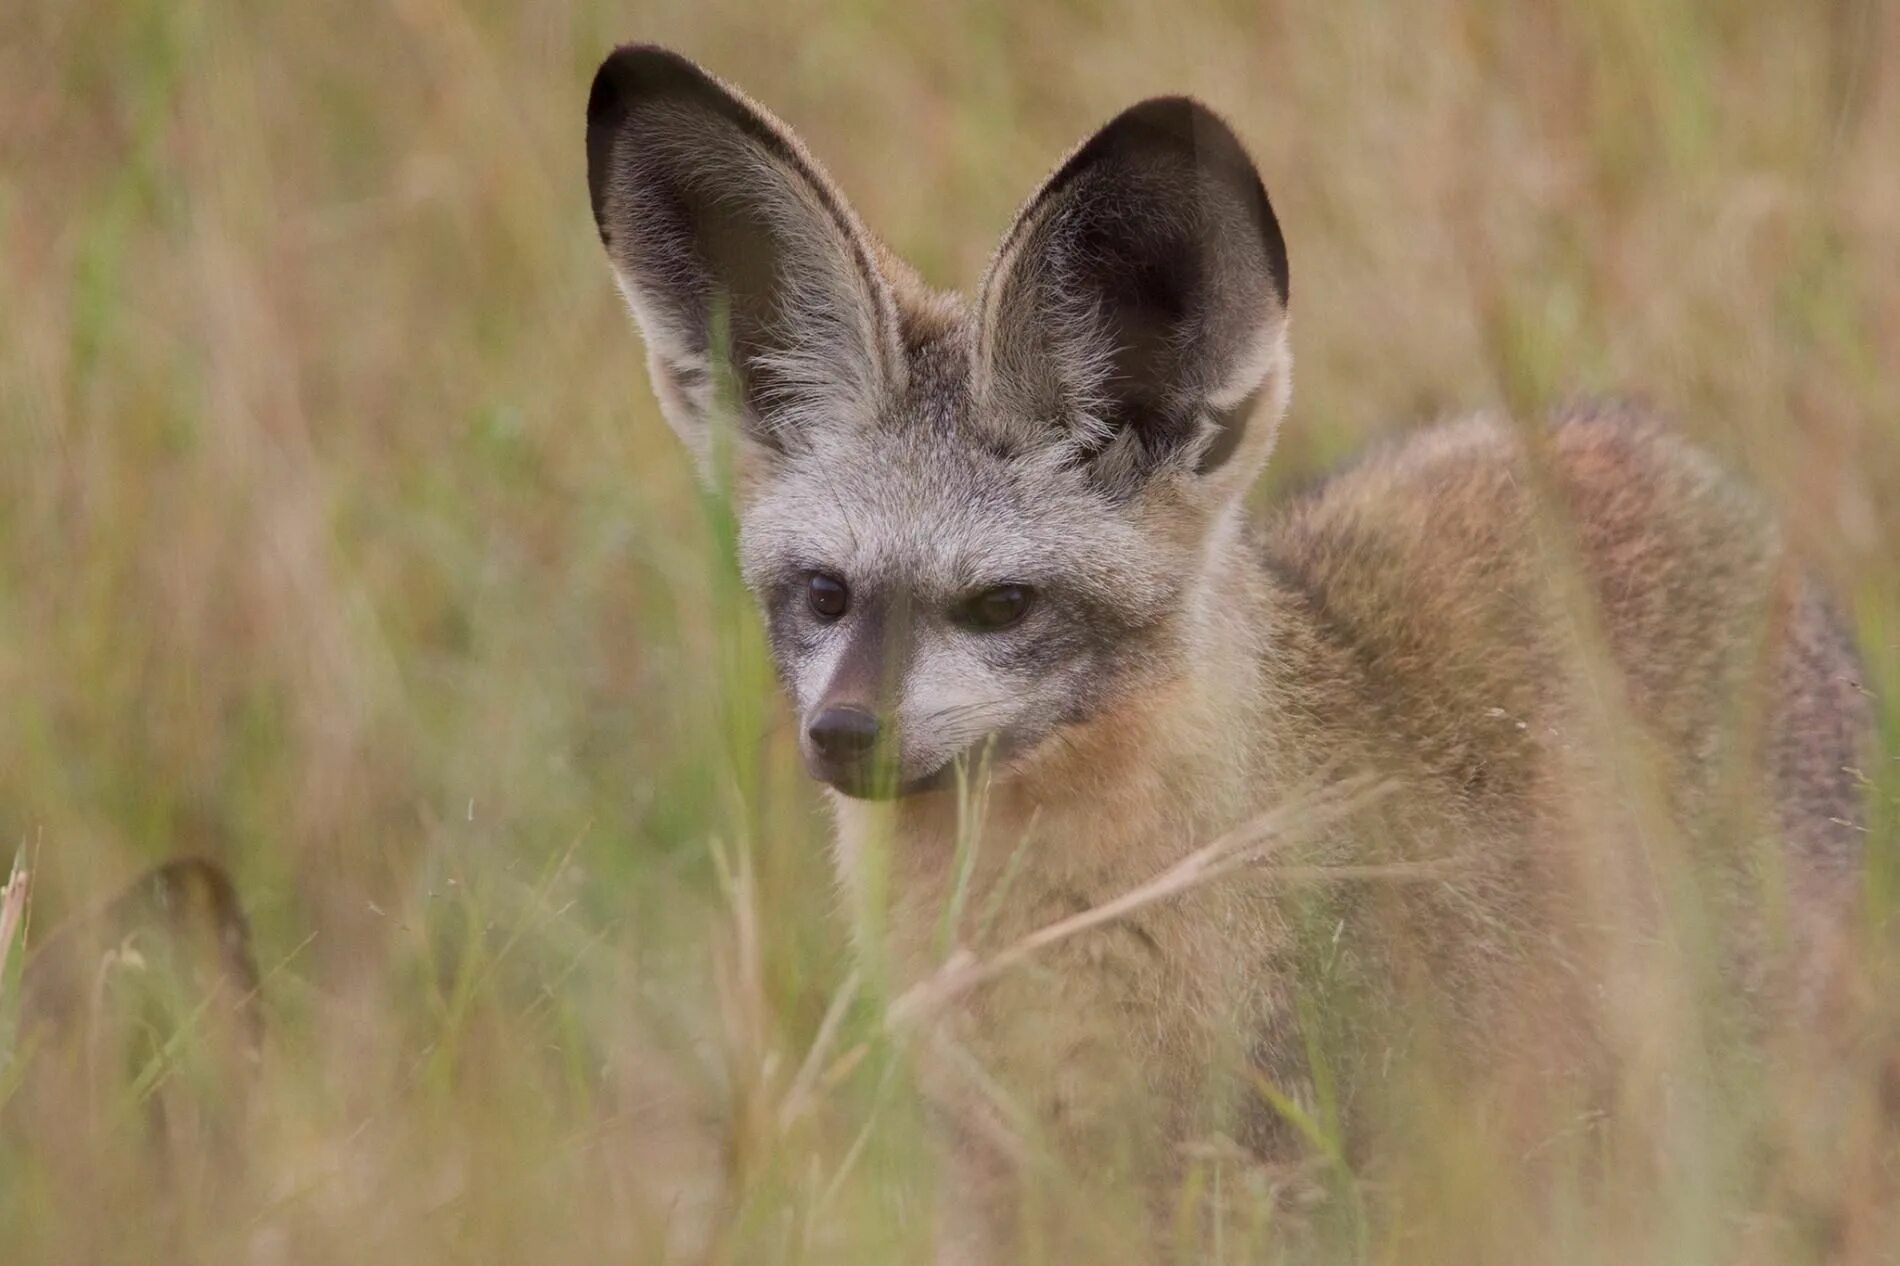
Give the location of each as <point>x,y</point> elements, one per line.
<point>1550,640</point>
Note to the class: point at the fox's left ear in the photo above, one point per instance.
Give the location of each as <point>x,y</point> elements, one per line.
<point>1137,311</point>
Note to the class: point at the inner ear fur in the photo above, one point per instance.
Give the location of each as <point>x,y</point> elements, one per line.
<point>756,289</point>
<point>1136,312</point>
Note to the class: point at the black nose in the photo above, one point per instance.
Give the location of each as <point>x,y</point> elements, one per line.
<point>844,734</point>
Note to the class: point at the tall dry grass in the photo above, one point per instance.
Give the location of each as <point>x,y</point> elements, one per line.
<point>340,541</point>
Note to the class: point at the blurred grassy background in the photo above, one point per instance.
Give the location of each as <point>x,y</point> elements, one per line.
<point>340,539</point>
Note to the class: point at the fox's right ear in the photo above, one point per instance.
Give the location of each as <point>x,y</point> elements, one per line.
<point>758,294</point>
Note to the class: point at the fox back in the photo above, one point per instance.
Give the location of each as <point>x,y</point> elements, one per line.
<point>1039,655</point>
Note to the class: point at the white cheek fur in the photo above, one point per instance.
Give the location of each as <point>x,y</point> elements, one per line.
<point>951,700</point>
<point>814,673</point>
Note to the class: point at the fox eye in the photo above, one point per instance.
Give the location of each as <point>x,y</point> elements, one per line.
<point>827,595</point>
<point>995,608</point>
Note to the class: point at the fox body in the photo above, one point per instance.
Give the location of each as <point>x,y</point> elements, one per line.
<point>1039,652</point>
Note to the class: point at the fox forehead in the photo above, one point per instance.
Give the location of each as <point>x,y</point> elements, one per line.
<point>920,496</point>
<point>930,511</point>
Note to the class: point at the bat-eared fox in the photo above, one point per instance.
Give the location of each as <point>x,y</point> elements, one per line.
<point>1040,654</point>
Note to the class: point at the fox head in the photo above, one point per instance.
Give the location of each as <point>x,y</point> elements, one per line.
<point>969,523</point>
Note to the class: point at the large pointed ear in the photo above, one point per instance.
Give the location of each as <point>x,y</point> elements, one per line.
<point>1137,312</point>
<point>758,293</point>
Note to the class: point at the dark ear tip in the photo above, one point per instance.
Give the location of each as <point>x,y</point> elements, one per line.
<point>630,74</point>
<point>1181,123</point>
<point>1175,113</point>
<point>1186,129</point>
<point>635,71</point>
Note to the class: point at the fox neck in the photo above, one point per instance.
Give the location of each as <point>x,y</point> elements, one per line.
<point>1102,807</point>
